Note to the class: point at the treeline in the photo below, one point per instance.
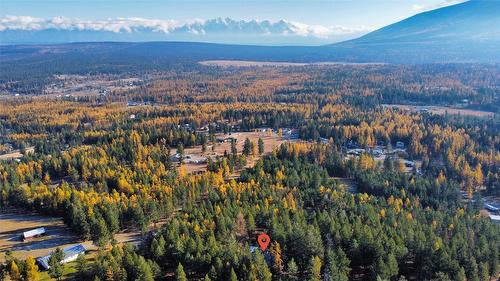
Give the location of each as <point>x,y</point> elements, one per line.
<point>466,149</point>
<point>104,166</point>
<point>473,86</point>
<point>469,85</point>
<point>402,226</point>
<point>318,229</point>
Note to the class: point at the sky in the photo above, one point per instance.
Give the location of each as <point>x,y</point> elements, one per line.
<point>320,20</point>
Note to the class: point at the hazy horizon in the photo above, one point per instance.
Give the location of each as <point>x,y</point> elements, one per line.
<point>254,22</point>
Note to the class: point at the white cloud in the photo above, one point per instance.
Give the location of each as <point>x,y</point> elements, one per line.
<point>422,7</point>
<point>193,27</point>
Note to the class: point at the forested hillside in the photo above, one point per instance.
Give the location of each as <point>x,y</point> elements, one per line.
<point>116,162</point>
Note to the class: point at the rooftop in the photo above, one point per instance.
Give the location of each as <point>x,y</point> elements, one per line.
<point>68,252</point>
<point>495,218</point>
<point>34,232</point>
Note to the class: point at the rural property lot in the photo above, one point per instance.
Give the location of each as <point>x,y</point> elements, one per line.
<point>12,225</point>
<point>10,156</point>
<point>16,154</point>
<point>271,141</point>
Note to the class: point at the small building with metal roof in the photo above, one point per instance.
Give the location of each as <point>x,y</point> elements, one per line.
<point>70,254</point>
<point>37,232</point>
<point>491,208</point>
<point>495,218</point>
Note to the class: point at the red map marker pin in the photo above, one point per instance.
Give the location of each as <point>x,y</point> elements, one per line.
<point>263,240</point>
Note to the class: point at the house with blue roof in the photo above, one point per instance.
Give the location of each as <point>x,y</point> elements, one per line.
<point>70,254</point>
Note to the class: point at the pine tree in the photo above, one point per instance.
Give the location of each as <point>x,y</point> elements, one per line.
<point>261,146</point>
<point>473,273</point>
<point>259,268</point>
<point>180,275</point>
<point>100,232</point>
<point>388,163</point>
<point>247,147</point>
<point>387,266</point>
<point>315,269</point>
<point>494,262</point>
<point>81,266</point>
<point>484,271</point>
<point>56,269</point>
<point>121,275</point>
<point>233,276</point>
<point>441,276</point>
<point>461,275</point>
<point>292,271</point>
<point>180,152</point>
<point>158,247</point>
<point>234,150</point>
<point>337,265</point>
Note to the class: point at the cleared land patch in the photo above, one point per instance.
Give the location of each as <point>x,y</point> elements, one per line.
<point>242,63</point>
<point>441,110</point>
<point>271,141</point>
<point>16,154</point>
<point>14,224</point>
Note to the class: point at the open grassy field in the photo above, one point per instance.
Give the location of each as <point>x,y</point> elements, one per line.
<point>14,224</point>
<point>69,270</point>
<point>441,110</point>
<point>13,155</point>
<point>244,63</point>
<point>16,154</point>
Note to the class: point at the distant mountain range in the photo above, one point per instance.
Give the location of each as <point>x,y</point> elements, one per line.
<point>31,30</point>
<point>467,32</point>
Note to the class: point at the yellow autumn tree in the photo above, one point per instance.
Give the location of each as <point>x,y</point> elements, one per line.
<point>275,250</point>
<point>14,273</point>
<point>441,178</point>
<point>478,175</point>
<point>32,273</point>
<point>366,162</point>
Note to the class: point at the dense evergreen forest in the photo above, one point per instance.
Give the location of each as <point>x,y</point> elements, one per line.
<point>105,166</point>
